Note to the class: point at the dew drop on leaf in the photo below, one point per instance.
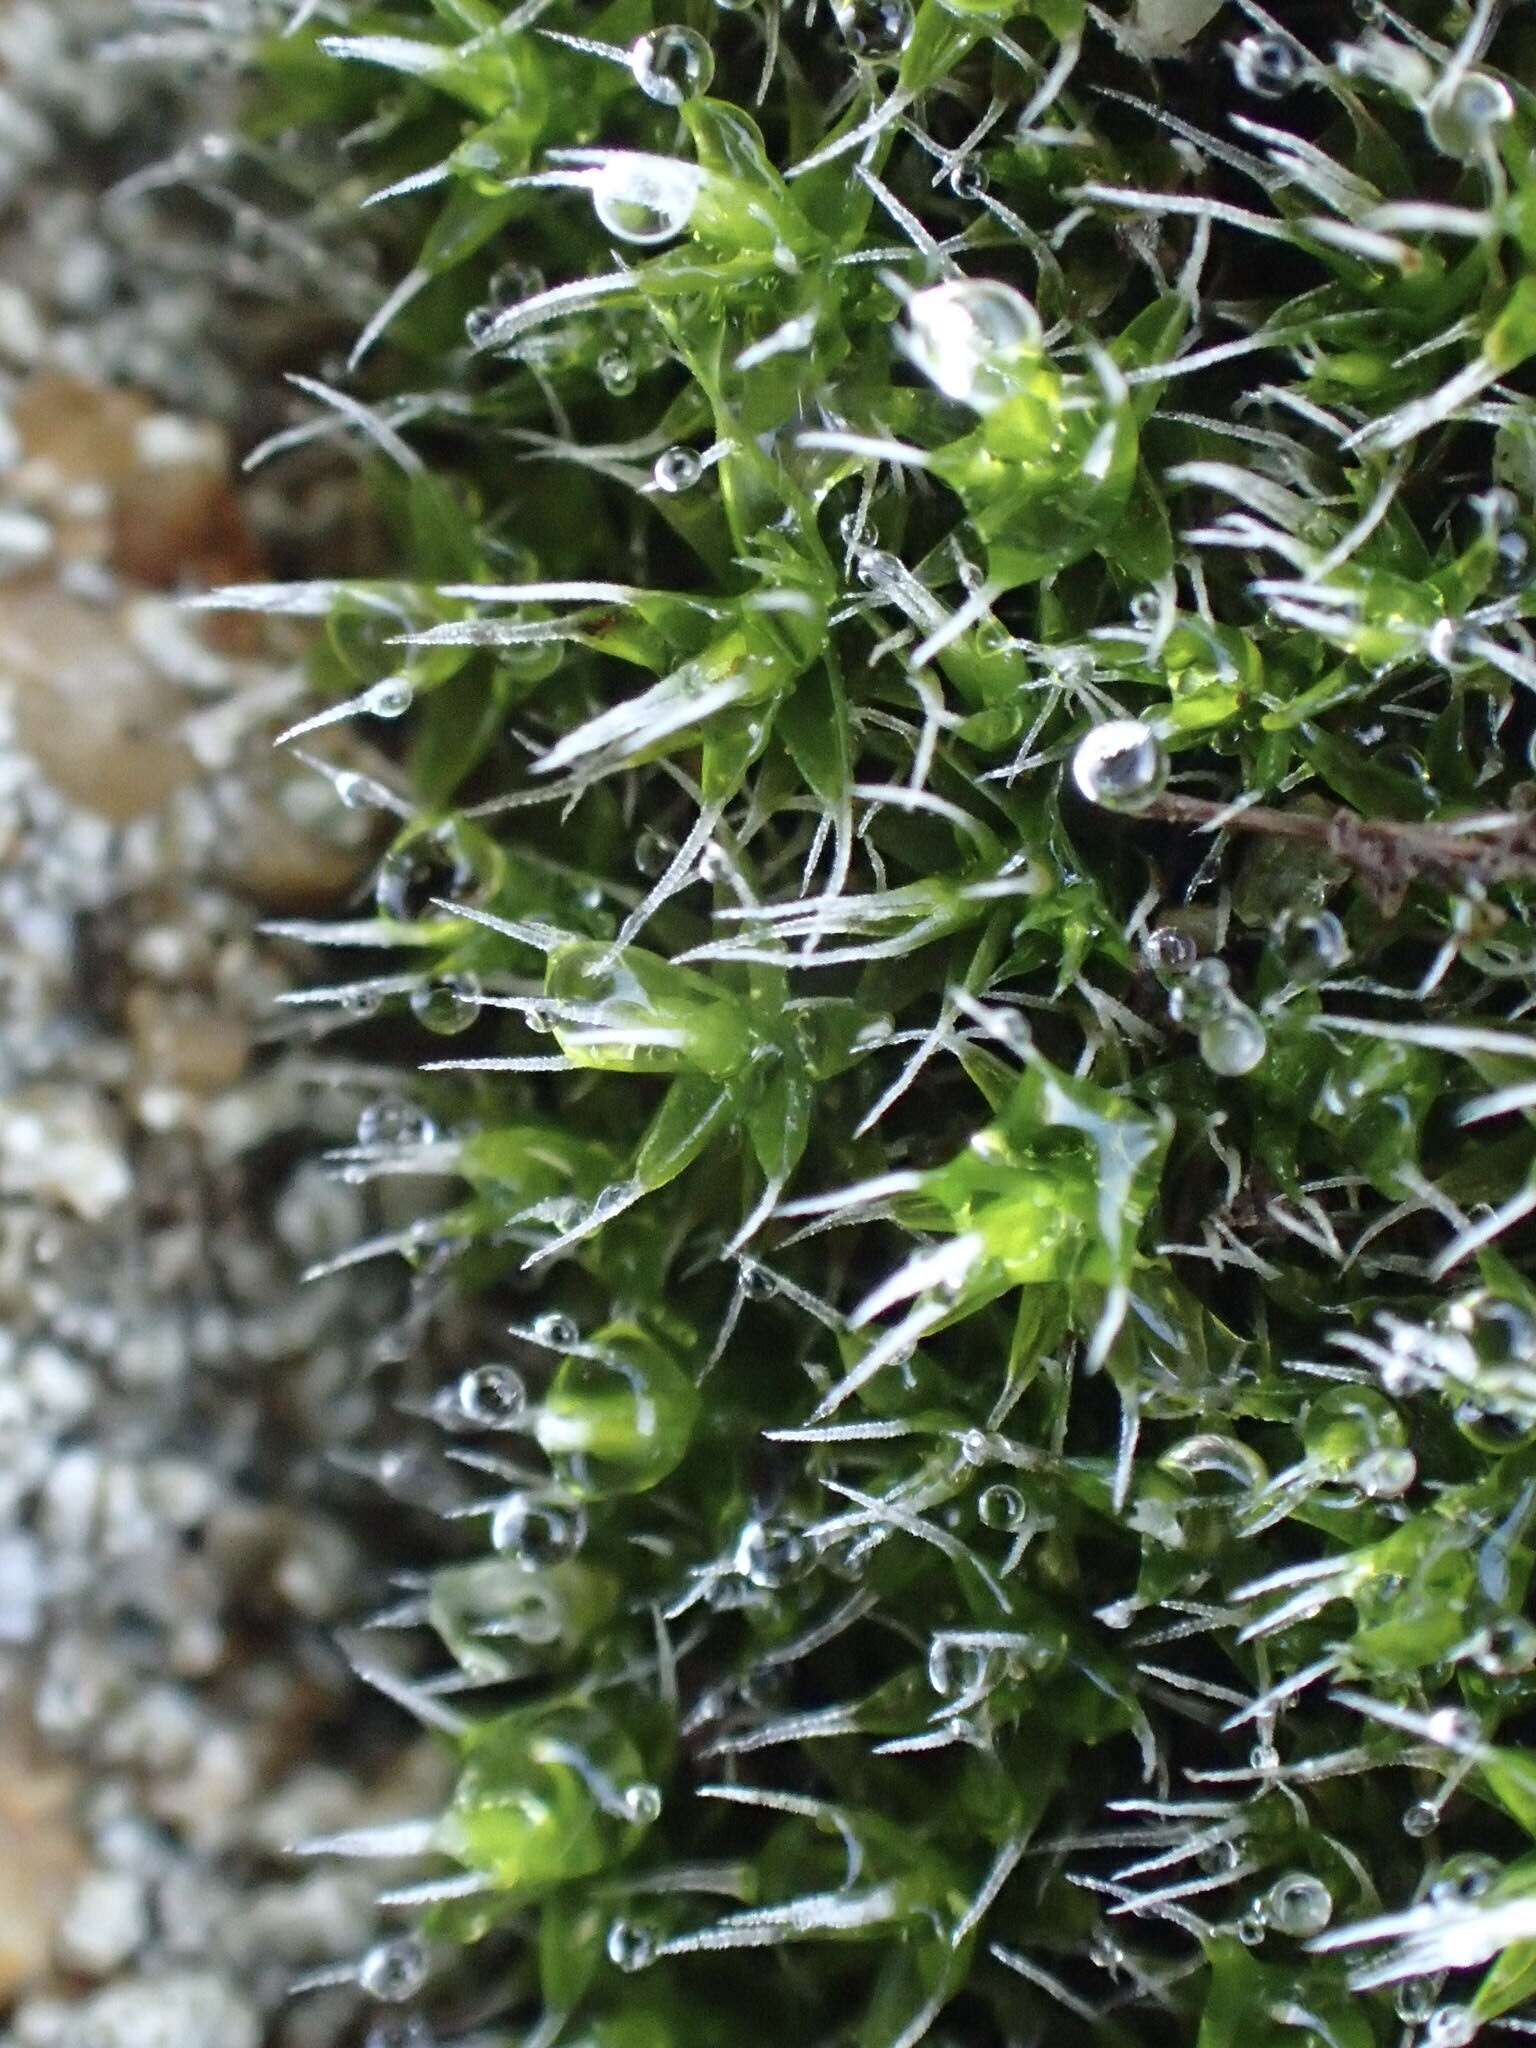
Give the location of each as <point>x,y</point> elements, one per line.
<point>536,1533</point>
<point>1121,765</point>
<point>449,1006</point>
<point>874,28</point>
<point>1299,1905</point>
<point>1002,1507</point>
<point>491,1396</point>
<point>645,200</point>
<point>391,698</point>
<point>1461,1879</point>
<point>393,1971</point>
<point>677,469</point>
<point>395,1121</point>
<point>1233,1043</point>
<point>971,337</point>
<point>629,1946</point>
<point>672,64</point>
<point>1268,66</point>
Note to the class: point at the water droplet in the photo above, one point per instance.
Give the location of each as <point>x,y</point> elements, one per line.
<point>400,2030</point>
<point>478,323</point>
<point>1203,995</point>
<point>393,1971</point>
<point>394,1121</point>
<point>1500,1332</point>
<point>1413,1999</point>
<point>1385,1474</point>
<point>1450,2026</point>
<point>1002,1507</point>
<point>630,1947</point>
<point>1269,66</point>
<point>1514,558</point>
<point>874,28</point>
<point>558,1331</point>
<point>677,469</point>
<point>1461,1879</point>
<point>1494,1428</point>
<point>1453,1726</point>
<point>1505,1648</point>
<point>642,1803</point>
<point>759,1283</point>
<point>1463,116</point>
<point>618,373</point>
<point>1421,1819</point>
<point>1234,1042</point>
<point>879,568</point>
<point>1169,952</point>
<point>1299,1905</point>
<point>645,199</point>
<point>449,1006</point>
<point>971,337</point>
<point>619,1415</point>
<point>772,1558</point>
<point>957,1668</point>
<point>1449,642</point>
<point>1211,1457</point>
<point>536,1533</point>
<point>672,64</point>
<point>391,698</point>
<point>877,1031</point>
<point>491,1396</point>
<point>1121,765</point>
<point>968,180</point>
<point>1313,944</point>
<point>1251,1929</point>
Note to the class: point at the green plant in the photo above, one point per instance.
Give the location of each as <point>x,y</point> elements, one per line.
<point>959,623</point>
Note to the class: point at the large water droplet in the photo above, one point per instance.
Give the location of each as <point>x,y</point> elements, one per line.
<point>449,1006</point>
<point>874,28</point>
<point>617,371</point>
<point>971,337</point>
<point>645,199</point>
<point>1121,765</point>
<point>641,1803</point>
<point>1002,1507</point>
<point>491,1396</point>
<point>1169,952</point>
<point>1450,2026</point>
<point>1500,1332</point>
<point>1385,1474</point>
<point>1234,1042</point>
<point>1461,1879</point>
<point>558,1331</point>
<point>536,1533</point>
<point>630,1947</point>
<point>677,469</point>
<point>1465,115</point>
<point>391,698</point>
<point>1269,66</point>
<point>1313,944</point>
<point>393,1971</point>
<point>394,1121</point>
<point>1506,1648</point>
<point>1299,1905</point>
<point>771,1558</point>
<point>672,64</point>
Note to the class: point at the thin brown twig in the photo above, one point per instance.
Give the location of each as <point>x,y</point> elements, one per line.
<point>1388,855</point>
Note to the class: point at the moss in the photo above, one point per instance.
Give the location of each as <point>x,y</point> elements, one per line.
<point>958,673</point>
